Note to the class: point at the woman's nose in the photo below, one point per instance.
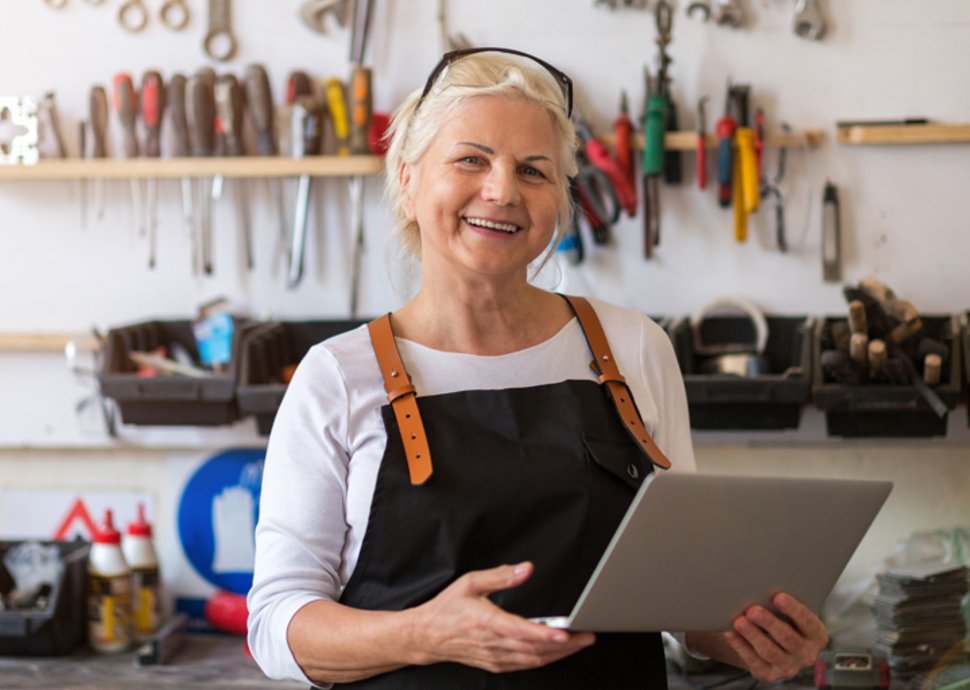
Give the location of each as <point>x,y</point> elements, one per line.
<point>502,186</point>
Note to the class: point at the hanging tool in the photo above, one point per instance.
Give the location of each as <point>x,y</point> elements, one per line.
<point>262,113</point>
<point>361,109</point>
<point>654,126</point>
<point>175,14</point>
<point>314,13</point>
<point>220,42</point>
<point>744,145</point>
<point>759,141</point>
<point>98,110</point>
<point>725,154</point>
<point>831,235</point>
<point>125,102</point>
<point>337,106</point>
<point>133,16</point>
<point>600,176</point>
<point>48,106</point>
<point>772,188</point>
<point>82,140</point>
<point>200,115</point>
<point>180,149</point>
<point>625,149</point>
<point>728,13</point>
<point>701,144</point>
<point>808,21</point>
<point>305,132</point>
<point>230,104</point>
<point>152,109</point>
<point>703,7</point>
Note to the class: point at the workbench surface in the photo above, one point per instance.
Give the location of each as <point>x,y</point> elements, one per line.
<point>214,662</point>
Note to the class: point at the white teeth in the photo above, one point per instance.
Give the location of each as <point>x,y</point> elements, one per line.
<point>481,222</point>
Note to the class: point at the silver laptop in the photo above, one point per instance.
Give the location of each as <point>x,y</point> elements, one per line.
<point>695,550</point>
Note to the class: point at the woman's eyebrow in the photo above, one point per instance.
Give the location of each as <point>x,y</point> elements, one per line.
<point>490,151</point>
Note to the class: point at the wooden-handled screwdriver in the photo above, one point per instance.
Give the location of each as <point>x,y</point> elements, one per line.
<point>98,115</point>
<point>200,114</point>
<point>125,103</point>
<point>181,148</point>
<point>262,113</point>
<point>230,105</point>
<point>152,109</point>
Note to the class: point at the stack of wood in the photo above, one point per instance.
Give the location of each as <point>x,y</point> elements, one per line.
<point>883,340</point>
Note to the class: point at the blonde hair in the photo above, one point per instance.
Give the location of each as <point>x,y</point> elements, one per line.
<point>413,128</point>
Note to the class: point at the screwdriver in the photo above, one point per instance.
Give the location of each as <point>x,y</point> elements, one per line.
<point>725,164</point>
<point>152,109</point>
<point>125,102</point>
<point>181,149</point>
<point>98,110</point>
<point>623,132</point>
<point>337,104</point>
<point>744,141</point>
<point>360,124</point>
<point>701,144</point>
<point>259,99</point>
<point>229,120</point>
<point>200,115</point>
<point>305,132</point>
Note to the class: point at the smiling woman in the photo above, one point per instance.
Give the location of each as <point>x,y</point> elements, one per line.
<point>439,478</point>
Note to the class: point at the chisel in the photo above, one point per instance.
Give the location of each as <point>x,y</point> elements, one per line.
<point>180,149</point>
<point>200,114</point>
<point>125,103</point>
<point>152,108</point>
<point>229,98</point>
<point>98,109</point>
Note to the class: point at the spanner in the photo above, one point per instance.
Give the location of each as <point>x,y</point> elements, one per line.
<point>728,13</point>
<point>808,21</point>
<point>220,43</point>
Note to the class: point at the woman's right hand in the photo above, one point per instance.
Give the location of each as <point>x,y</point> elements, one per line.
<point>462,625</point>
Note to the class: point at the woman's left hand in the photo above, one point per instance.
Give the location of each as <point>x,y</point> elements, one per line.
<point>774,648</point>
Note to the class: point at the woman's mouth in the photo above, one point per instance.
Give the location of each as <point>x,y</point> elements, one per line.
<point>508,228</point>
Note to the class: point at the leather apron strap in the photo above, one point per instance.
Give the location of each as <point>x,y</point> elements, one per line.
<point>605,368</point>
<point>401,396</point>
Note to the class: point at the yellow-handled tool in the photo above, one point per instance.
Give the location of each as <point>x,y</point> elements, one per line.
<point>337,103</point>
<point>748,168</point>
<point>740,212</point>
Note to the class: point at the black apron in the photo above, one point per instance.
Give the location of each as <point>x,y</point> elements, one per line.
<point>543,474</point>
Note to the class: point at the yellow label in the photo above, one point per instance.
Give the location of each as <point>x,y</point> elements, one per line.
<point>109,611</point>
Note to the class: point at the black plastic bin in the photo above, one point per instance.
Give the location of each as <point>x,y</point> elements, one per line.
<point>770,401</point>
<point>61,627</point>
<point>167,400</point>
<point>873,410</point>
<point>265,351</point>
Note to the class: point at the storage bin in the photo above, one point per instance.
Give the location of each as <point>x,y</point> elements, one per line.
<point>265,351</point>
<point>167,400</point>
<point>61,627</point>
<point>769,401</point>
<point>886,409</point>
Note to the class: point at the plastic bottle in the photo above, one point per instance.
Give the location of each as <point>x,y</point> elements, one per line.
<point>140,554</point>
<point>109,592</point>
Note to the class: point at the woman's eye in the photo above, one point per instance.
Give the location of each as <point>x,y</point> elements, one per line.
<point>529,171</point>
<point>472,160</point>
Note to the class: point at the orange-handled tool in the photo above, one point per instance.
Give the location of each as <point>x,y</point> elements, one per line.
<point>360,110</point>
<point>701,144</point>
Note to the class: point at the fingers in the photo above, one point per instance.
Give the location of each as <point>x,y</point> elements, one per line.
<point>776,649</point>
<point>484,582</point>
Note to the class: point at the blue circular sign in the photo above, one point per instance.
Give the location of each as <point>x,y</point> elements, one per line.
<point>217,517</point>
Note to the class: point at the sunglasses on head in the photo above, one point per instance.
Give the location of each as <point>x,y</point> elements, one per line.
<point>564,82</point>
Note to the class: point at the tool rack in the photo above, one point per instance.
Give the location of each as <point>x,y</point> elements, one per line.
<point>930,133</point>
<point>241,166</point>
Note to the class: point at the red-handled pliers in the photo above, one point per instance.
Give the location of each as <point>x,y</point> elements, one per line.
<point>599,156</point>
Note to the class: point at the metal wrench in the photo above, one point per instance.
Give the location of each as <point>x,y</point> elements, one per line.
<point>808,21</point>
<point>220,43</point>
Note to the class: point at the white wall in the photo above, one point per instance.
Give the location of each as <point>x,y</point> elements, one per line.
<point>905,209</point>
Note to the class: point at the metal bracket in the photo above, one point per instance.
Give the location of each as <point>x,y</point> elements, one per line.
<point>19,148</point>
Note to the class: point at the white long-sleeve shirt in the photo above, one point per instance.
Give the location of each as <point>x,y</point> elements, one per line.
<point>328,440</point>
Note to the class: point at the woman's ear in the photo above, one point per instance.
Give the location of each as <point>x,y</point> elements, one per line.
<point>405,178</point>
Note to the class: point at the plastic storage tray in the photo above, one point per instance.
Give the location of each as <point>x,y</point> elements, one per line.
<point>883,409</point>
<point>760,403</point>
<point>167,400</point>
<point>62,626</point>
<point>264,352</point>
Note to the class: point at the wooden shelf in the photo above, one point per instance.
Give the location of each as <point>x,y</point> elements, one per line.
<point>904,134</point>
<point>44,342</point>
<point>244,166</point>
<point>687,141</point>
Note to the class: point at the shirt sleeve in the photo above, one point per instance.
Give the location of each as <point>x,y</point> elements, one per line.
<point>661,372</point>
<point>302,523</point>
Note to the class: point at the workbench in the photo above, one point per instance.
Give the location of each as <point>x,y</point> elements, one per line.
<point>214,662</point>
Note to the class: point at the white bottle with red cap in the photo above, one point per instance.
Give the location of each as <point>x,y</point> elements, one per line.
<point>140,555</point>
<point>109,591</point>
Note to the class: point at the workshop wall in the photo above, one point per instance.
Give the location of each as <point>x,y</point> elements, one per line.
<point>904,209</point>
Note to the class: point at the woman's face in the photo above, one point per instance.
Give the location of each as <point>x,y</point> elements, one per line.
<point>486,192</point>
